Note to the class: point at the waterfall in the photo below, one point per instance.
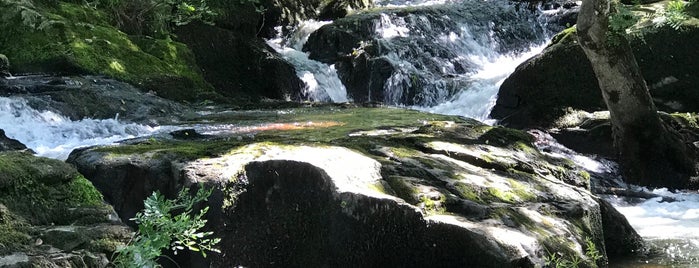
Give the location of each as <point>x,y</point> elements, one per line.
<point>322,83</point>
<point>443,56</point>
<point>53,135</point>
<point>480,98</point>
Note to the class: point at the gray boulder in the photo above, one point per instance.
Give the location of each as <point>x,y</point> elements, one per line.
<point>545,87</point>
<point>444,193</point>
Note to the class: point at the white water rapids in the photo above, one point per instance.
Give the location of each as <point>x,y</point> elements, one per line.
<point>672,225</point>
<point>53,135</point>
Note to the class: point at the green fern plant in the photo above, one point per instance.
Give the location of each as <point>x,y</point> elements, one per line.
<point>20,11</point>
<point>159,229</point>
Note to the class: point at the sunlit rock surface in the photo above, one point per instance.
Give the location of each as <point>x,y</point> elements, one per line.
<point>376,187</point>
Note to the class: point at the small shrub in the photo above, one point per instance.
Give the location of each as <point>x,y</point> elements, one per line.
<point>158,229</point>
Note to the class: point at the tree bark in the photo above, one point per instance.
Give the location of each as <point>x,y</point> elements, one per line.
<point>649,152</point>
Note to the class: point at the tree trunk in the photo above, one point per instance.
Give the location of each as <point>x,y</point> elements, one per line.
<point>649,152</point>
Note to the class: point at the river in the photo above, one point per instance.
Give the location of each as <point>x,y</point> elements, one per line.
<point>671,224</point>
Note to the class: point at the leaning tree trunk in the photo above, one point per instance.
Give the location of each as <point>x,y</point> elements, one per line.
<point>650,153</point>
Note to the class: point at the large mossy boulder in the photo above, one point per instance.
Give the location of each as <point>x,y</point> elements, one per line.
<point>51,216</point>
<point>68,38</point>
<point>368,187</point>
<point>239,66</point>
<point>545,87</point>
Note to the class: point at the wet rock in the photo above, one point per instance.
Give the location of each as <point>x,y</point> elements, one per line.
<point>240,67</point>
<point>620,239</point>
<point>439,193</point>
<point>416,55</point>
<point>10,144</point>
<point>187,134</point>
<point>545,86</point>
<point>79,97</point>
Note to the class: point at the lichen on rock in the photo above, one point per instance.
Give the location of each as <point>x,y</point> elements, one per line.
<point>444,190</point>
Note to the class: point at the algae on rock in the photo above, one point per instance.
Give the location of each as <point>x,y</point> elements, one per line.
<point>445,190</point>
<point>68,38</point>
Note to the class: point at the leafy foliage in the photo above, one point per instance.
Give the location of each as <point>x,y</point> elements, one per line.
<point>23,12</point>
<point>673,15</point>
<point>624,20</point>
<point>159,229</point>
<point>156,17</point>
<point>558,260</point>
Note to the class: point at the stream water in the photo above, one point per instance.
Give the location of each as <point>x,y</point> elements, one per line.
<point>671,226</point>
<point>53,135</point>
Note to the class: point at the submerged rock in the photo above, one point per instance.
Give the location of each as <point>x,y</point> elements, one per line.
<point>377,187</point>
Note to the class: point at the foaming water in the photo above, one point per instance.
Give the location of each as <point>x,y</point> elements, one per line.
<point>669,222</point>
<point>322,82</point>
<point>408,3</point>
<point>53,135</point>
<point>478,99</point>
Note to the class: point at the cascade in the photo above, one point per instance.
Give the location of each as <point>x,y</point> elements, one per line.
<point>441,61</point>
<point>322,83</point>
<point>53,135</point>
<point>440,56</point>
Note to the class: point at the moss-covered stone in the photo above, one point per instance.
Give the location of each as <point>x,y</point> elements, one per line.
<point>42,190</point>
<point>455,172</point>
<point>70,38</point>
<point>46,204</point>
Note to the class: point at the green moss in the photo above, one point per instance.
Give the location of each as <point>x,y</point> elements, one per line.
<point>104,245</point>
<point>568,34</point>
<point>41,190</point>
<point>403,152</point>
<point>179,149</point>
<point>83,193</point>
<point>81,40</point>
<point>13,235</point>
<point>687,119</point>
<point>517,218</point>
<point>585,175</point>
<point>502,196</point>
<point>468,191</point>
<point>403,189</point>
<point>521,191</point>
<point>378,187</point>
<point>312,126</point>
<point>500,136</point>
<point>433,206</point>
